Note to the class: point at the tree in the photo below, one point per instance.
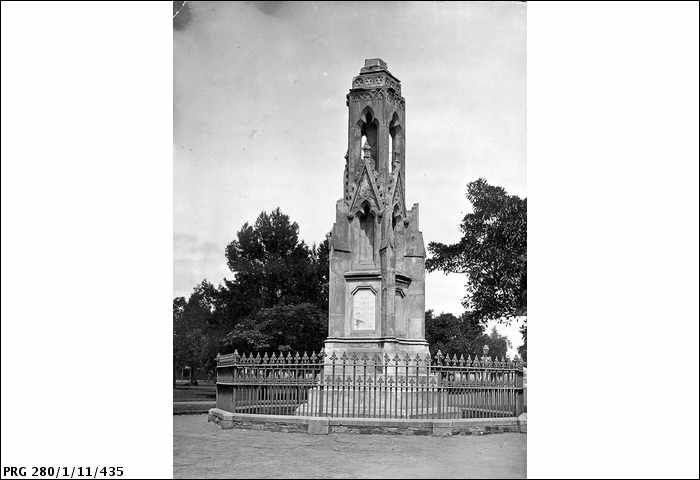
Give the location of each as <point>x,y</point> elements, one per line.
<point>453,335</point>
<point>463,335</point>
<point>498,344</point>
<point>195,329</point>
<point>492,253</point>
<point>272,267</point>
<point>522,349</point>
<point>299,328</point>
<point>278,297</point>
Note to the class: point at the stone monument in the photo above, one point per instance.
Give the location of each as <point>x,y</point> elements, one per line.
<point>377,255</point>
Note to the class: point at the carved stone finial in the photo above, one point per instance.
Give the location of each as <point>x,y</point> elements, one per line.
<point>367,152</point>
<point>395,162</point>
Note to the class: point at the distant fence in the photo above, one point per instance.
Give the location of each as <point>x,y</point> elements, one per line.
<point>370,387</point>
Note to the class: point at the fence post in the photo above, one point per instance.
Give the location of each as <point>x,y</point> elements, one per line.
<point>224,393</point>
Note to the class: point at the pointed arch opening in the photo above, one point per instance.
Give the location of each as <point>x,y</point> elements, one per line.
<point>368,130</point>
<point>367,227</point>
<point>395,142</point>
<point>395,217</point>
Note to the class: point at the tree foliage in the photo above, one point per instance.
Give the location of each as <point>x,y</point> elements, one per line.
<point>498,344</point>
<point>451,334</point>
<point>522,349</point>
<point>462,335</point>
<point>272,267</point>
<point>299,327</point>
<point>277,298</point>
<point>195,330</point>
<point>492,253</point>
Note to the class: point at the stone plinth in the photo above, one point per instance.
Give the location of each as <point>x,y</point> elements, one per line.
<point>397,402</point>
<point>374,347</point>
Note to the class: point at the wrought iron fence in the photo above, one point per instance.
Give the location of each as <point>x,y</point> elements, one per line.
<point>364,386</point>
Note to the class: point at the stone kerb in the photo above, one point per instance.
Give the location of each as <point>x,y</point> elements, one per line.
<point>393,426</point>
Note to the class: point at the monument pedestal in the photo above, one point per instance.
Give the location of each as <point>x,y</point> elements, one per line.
<point>375,348</point>
<point>377,402</point>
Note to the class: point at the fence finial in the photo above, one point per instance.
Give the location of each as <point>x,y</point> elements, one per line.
<point>417,359</point>
<point>274,376</point>
<point>439,357</point>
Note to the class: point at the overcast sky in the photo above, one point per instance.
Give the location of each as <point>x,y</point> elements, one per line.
<point>260,119</point>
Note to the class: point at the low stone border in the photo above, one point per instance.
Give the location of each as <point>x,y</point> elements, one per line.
<point>395,426</point>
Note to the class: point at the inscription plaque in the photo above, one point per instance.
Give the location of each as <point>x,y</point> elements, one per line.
<point>363,309</point>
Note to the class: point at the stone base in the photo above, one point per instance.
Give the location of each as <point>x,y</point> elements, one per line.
<point>374,347</point>
<point>358,402</point>
<point>390,426</point>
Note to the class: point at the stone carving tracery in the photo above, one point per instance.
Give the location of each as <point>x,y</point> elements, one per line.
<point>379,94</point>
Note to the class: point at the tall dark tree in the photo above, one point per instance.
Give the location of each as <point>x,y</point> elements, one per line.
<point>492,253</point>
<point>276,300</point>
<point>195,330</point>
<point>453,335</point>
<point>279,289</point>
<point>319,257</point>
<point>272,267</point>
<point>463,335</point>
<point>296,328</point>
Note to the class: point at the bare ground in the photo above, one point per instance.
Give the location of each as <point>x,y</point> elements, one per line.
<point>203,450</point>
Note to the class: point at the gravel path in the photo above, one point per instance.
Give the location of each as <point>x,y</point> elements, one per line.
<point>202,450</point>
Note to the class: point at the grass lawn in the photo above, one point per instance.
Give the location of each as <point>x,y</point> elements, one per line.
<point>188,393</point>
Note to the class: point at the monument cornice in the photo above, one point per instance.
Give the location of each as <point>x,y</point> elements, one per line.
<point>363,274</point>
<point>375,79</point>
<point>403,279</point>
